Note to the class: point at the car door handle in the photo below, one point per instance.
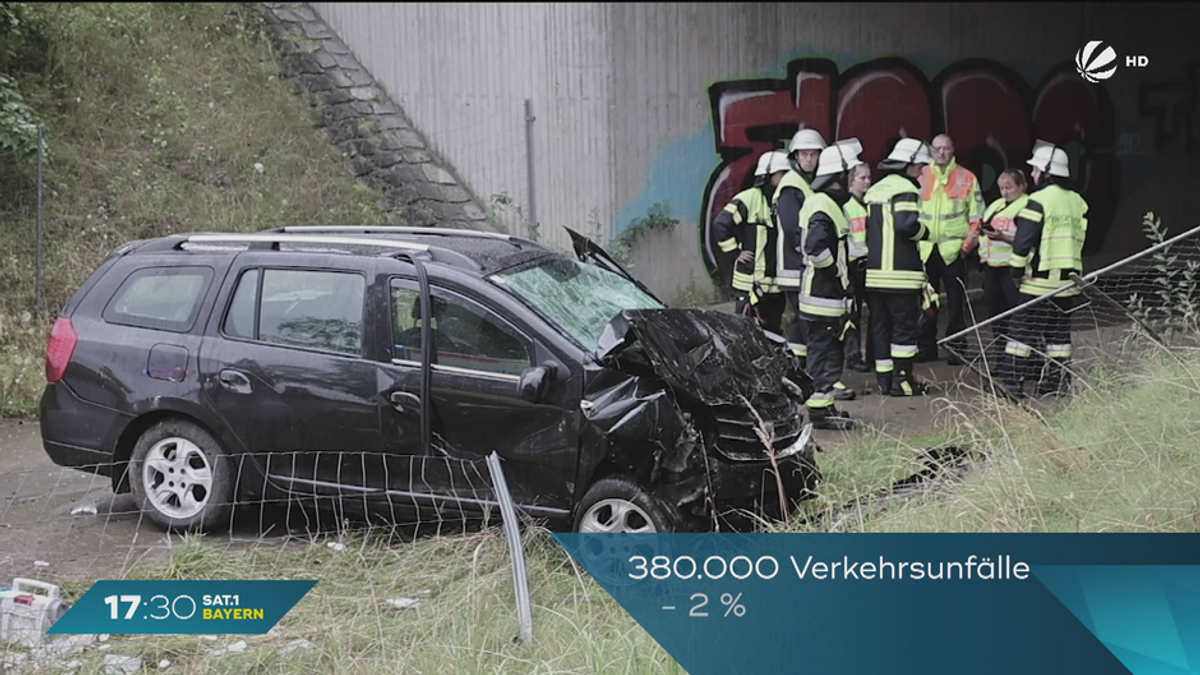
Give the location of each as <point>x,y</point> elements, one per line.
<point>234,381</point>
<point>404,401</point>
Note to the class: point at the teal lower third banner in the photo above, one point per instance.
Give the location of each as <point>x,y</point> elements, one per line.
<point>908,603</point>
<point>150,607</point>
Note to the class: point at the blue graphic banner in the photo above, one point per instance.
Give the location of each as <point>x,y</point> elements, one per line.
<point>908,603</point>
<point>150,607</point>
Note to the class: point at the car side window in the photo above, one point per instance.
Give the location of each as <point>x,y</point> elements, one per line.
<point>465,334</point>
<point>315,309</point>
<point>165,298</point>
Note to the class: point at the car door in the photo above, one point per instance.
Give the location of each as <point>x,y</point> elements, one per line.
<point>479,362</point>
<point>286,371</point>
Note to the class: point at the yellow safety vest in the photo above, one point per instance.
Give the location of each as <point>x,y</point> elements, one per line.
<point>1001,215</point>
<point>950,202</point>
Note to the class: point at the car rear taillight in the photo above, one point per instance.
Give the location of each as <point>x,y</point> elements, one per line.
<point>61,348</point>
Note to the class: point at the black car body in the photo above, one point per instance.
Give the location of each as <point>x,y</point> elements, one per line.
<point>205,370</point>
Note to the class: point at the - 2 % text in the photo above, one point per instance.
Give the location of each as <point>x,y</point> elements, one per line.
<point>732,605</point>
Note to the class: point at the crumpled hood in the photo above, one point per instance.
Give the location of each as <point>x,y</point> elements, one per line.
<point>713,356</point>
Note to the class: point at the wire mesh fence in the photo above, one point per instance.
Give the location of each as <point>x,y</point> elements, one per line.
<point>1093,330</point>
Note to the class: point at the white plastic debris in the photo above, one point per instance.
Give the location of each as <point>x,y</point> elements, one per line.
<point>404,603</point>
<point>103,638</point>
<point>209,638</point>
<point>259,167</point>
<point>235,648</point>
<point>337,546</point>
<point>295,646</point>
<point>164,664</point>
<point>121,665</point>
<point>40,563</point>
<point>90,510</point>
<point>103,648</point>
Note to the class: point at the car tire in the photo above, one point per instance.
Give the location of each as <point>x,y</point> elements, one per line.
<point>621,504</point>
<point>169,481</point>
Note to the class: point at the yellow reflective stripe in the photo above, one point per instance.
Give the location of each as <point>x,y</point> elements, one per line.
<point>903,351</point>
<point>906,206</point>
<point>1058,351</point>
<point>1036,286</point>
<point>822,260</point>
<point>884,366</point>
<point>1017,349</point>
<point>729,245</point>
<point>819,400</point>
<point>1030,214</point>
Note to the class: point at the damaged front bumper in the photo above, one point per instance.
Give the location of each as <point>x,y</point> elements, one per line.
<point>739,494</point>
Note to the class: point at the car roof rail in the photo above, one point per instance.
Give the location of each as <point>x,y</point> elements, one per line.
<point>390,229</point>
<point>274,239</point>
<point>394,247</point>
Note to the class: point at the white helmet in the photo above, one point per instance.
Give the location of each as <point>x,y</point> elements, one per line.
<point>910,151</point>
<point>1050,159</point>
<point>763,162</point>
<point>779,162</point>
<point>839,157</point>
<point>806,139</point>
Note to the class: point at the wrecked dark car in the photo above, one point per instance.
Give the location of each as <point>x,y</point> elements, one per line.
<point>377,368</point>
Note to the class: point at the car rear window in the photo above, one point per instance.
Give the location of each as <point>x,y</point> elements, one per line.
<point>162,298</point>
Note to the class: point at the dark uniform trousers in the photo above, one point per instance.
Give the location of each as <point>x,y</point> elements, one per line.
<point>1000,294</point>
<point>953,278</point>
<point>853,336</point>
<point>894,317</point>
<point>768,312</point>
<point>824,363</point>
<point>1042,328</point>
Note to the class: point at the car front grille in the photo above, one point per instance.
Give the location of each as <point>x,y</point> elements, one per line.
<point>736,435</point>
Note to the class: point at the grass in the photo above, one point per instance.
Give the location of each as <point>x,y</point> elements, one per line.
<point>465,622</point>
<point>158,117</point>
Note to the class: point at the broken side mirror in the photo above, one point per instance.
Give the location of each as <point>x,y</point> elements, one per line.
<point>534,382</point>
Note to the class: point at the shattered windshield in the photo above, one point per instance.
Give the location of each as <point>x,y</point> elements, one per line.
<point>579,298</point>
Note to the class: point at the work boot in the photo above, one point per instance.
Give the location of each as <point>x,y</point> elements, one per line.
<point>884,380</point>
<point>856,363</point>
<point>909,386</point>
<point>843,393</point>
<point>830,418</point>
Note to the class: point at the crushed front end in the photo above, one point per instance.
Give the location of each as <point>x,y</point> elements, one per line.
<point>706,411</point>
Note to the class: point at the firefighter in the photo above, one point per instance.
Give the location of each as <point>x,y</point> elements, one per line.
<point>745,225</point>
<point>856,253</point>
<point>952,210</point>
<point>803,152</point>
<point>825,285</point>
<point>1046,249</point>
<point>895,275</point>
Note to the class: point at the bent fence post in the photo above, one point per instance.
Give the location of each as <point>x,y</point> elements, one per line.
<point>516,550</point>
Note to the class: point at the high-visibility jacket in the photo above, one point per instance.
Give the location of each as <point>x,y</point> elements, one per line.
<point>856,214</point>
<point>745,224</point>
<point>1051,230</point>
<point>893,229</point>
<point>786,203</point>
<point>951,208</point>
<point>824,281</point>
<point>1001,215</point>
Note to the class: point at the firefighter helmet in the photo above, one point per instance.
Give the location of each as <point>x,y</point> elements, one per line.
<point>909,151</point>
<point>839,157</point>
<point>1051,159</point>
<point>806,139</point>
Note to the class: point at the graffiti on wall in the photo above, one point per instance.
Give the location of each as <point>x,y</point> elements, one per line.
<point>989,111</point>
<point>1175,109</point>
